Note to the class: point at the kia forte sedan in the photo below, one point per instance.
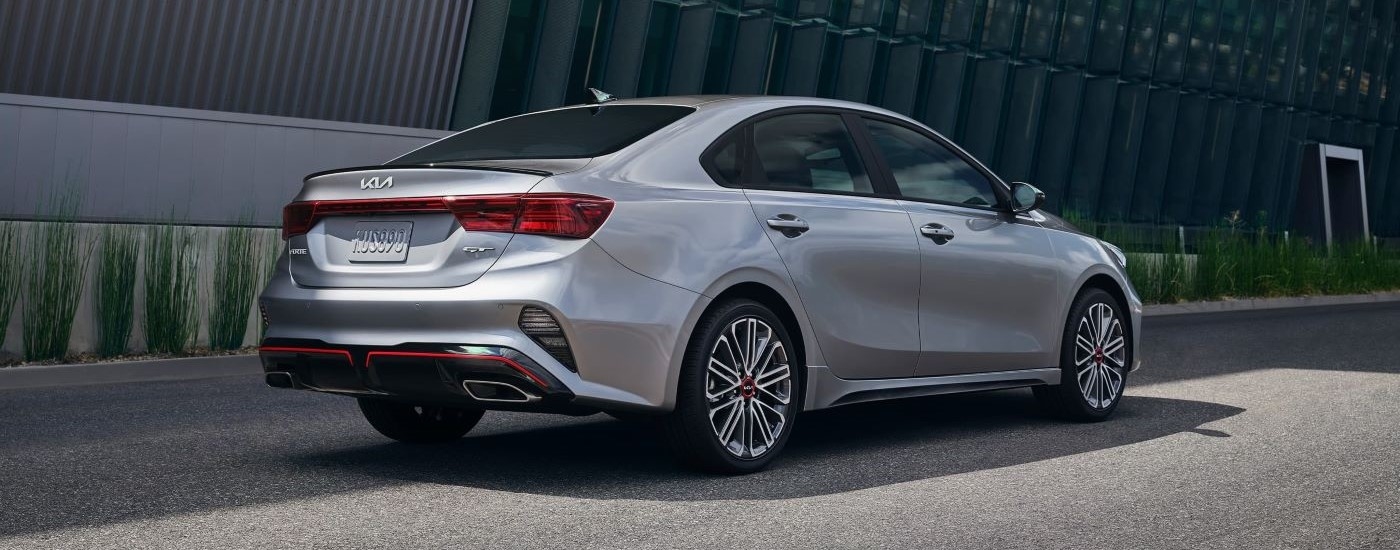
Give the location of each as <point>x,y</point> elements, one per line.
<point>716,265</point>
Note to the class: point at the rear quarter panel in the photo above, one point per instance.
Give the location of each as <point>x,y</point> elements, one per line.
<point>671,222</point>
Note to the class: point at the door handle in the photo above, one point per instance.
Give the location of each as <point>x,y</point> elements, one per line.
<point>938,232</point>
<point>788,224</point>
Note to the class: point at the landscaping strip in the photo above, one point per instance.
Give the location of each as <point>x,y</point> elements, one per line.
<point>181,368</point>
<point>1257,304</point>
<point>194,368</point>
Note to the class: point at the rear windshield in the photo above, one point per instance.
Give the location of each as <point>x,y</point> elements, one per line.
<point>576,132</point>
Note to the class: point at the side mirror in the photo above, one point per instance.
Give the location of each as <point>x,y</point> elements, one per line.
<point>1025,197</point>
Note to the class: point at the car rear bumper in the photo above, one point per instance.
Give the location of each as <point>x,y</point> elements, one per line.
<point>487,377</point>
<point>624,330</point>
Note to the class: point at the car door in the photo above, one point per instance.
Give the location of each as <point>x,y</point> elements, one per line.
<point>849,253</point>
<point>987,277</point>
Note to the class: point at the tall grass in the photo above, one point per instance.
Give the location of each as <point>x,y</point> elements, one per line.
<point>240,264</point>
<point>1160,272</point>
<point>1233,260</point>
<point>171,319</point>
<point>53,281</point>
<point>116,288</point>
<point>11,273</point>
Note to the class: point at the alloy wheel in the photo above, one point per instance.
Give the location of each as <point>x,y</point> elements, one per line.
<point>748,387</point>
<point>1100,356</point>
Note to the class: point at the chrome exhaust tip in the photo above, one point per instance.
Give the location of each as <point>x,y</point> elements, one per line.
<point>281,380</point>
<point>497,392</point>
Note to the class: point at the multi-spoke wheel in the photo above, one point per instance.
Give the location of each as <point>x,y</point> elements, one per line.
<point>748,387</point>
<point>1100,353</point>
<point>739,390</point>
<point>1094,360</point>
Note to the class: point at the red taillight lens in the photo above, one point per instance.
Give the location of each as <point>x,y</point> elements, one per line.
<point>554,214</point>
<point>563,215</point>
<point>485,213</point>
<point>297,219</point>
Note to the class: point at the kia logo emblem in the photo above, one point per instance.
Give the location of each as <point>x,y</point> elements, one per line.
<point>376,182</point>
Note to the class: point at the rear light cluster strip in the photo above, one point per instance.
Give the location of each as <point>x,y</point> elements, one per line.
<point>554,214</point>
<point>369,358</point>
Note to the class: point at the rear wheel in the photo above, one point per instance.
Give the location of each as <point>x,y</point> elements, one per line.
<point>1094,358</point>
<point>739,391</point>
<point>419,423</point>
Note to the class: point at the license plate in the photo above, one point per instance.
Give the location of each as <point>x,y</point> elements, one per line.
<point>381,241</point>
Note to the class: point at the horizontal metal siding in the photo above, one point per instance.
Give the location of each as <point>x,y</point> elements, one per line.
<point>136,163</point>
<point>368,61</point>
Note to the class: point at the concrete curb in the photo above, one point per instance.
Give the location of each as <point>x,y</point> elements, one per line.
<point>182,368</point>
<point>1257,304</point>
<point>194,368</point>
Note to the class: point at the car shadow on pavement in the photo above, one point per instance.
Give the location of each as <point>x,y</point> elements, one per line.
<point>833,451</point>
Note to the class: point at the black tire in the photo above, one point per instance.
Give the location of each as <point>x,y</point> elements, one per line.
<point>1068,399</point>
<point>688,429</point>
<point>419,424</point>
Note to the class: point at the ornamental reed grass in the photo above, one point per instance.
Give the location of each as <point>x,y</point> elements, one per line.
<point>11,272</point>
<point>171,320</point>
<point>53,282</point>
<point>1231,260</point>
<point>116,288</point>
<point>240,266</point>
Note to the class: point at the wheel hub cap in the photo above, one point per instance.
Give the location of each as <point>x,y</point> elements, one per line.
<point>747,388</point>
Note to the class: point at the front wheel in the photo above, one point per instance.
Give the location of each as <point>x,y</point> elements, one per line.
<point>739,391</point>
<point>419,423</point>
<point>1094,358</point>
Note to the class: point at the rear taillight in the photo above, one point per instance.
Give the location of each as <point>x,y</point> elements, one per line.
<point>297,219</point>
<point>490,213</point>
<point>562,215</point>
<point>554,214</point>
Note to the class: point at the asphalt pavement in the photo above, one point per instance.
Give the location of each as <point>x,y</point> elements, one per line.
<point>1276,429</point>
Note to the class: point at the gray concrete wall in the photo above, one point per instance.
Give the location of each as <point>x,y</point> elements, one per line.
<point>138,163</point>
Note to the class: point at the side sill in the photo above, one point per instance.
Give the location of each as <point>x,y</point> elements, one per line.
<point>826,390</point>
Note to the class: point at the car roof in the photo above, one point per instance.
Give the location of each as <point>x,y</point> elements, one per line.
<point>707,101</point>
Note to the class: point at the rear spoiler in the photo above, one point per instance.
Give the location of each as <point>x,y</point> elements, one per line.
<point>512,170</point>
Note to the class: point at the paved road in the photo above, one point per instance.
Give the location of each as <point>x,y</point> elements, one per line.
<point>1269,430</point>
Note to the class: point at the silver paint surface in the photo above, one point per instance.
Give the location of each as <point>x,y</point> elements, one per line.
<point>882,310</point>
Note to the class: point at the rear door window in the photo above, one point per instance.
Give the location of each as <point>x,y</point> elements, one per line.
<point>574,132</point>
<point>799,152</point>
<point>808,152</point>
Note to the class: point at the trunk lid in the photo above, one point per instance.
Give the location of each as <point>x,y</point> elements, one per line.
<point>385,226</point>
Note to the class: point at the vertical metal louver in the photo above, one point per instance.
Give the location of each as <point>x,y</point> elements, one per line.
<point>369,61</point>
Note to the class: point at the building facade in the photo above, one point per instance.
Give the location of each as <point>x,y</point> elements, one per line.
<point>1148,111</point>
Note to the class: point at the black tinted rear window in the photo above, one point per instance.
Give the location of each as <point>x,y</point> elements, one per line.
<point>576,132</point>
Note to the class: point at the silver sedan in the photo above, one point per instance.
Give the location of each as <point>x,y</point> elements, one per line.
<point>713,265</point>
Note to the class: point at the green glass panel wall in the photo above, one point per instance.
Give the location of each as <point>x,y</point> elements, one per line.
<point>1149,111</point>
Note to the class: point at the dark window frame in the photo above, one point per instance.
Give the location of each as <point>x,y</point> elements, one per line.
<point>744,131</point>
<point>881,179</point>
